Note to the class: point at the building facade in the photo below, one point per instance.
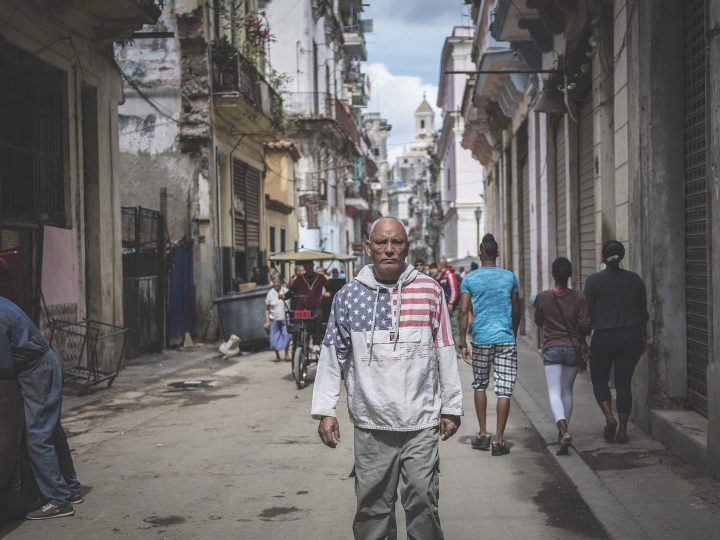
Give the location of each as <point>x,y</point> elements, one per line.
<point>460,181</point>
<point>414,197</point>
<point>198,109</point>
<point>60,175</point>
<point>626,151</point>
<point>320,45</point>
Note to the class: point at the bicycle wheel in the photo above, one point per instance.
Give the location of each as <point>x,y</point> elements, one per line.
<point>300,366</point>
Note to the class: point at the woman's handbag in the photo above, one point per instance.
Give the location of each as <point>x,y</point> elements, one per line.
<point>582,351</point>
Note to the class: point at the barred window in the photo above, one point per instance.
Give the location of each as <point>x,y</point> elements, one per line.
<point>33,138</point>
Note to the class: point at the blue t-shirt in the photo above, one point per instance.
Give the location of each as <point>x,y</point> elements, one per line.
<point>490,289</point>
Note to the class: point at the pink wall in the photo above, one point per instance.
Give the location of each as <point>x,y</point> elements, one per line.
<point>59,266</point>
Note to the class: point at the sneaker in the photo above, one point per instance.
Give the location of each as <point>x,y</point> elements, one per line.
<point>610,429</point>
<point>481,442</point>
<point>50,511</point>
<point>76,498</point>
<point>500,449</point>
<point>565,443</point>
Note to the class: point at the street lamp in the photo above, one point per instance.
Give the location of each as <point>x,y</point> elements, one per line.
<point>478,215</point>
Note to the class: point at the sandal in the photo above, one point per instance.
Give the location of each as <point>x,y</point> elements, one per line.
<point>565,443</point>
<point>609,431</point>
<point>621,438</point>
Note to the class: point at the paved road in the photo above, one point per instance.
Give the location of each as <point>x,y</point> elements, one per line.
<point>240,458</point>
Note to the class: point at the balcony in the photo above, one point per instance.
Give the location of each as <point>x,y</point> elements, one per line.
<point>118,19</point>
<point>323,106</point>
<point>243,95</point>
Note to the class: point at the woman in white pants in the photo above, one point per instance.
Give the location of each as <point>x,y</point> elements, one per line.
<point>564,316</point>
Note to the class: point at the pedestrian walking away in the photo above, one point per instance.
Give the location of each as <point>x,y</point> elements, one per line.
<point>26,356</point>
<point>617,303</point>
<point>276,318</point>
<point>493,293</point>
<point>450,282</point>
<point>563,316</point>
<point>389,337</point>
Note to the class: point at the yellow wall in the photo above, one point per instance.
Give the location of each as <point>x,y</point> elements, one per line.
<point>280,185</point>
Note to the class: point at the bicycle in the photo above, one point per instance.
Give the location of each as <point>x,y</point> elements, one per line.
<point>303,322</point>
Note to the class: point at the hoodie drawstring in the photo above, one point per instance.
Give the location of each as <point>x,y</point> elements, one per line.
<point>397,318</point>
<point>372,327</point>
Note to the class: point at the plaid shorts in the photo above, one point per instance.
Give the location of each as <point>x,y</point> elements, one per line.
<point>503,356</point>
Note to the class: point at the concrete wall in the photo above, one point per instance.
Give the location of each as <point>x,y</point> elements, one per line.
<point>87,65</point>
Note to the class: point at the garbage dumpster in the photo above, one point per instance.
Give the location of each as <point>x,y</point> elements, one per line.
<point>243,314</point>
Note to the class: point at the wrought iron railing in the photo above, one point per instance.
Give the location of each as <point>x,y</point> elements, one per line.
<point>318,105</point>
<point>238,76</point>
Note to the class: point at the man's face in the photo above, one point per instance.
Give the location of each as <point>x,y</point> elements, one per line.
<point>388,247</point>
<point>309,267</point>
<point>434,272</point>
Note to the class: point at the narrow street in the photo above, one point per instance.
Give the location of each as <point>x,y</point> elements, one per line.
<point>240,458</point>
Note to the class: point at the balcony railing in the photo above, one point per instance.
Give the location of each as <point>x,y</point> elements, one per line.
<point>239,76</point>
<point>321,105</point>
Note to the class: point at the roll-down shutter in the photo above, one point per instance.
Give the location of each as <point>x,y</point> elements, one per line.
<point>586,191</point>
<point>560,189</point>
<point>697,257</point>
<point>525,283</point>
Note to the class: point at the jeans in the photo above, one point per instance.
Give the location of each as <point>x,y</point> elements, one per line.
<point>41,386</point>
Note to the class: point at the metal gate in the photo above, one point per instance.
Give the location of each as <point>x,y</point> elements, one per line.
<point>697,257</point>
<point>560,189</point>
<point>144,281</point>
<point>586,192</point>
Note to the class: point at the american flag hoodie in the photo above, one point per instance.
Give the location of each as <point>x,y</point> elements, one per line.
<point>393,344</point>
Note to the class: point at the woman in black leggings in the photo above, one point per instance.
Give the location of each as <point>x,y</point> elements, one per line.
<point>617,302</point>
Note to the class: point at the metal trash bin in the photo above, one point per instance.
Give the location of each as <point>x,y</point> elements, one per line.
<point>243,314</point>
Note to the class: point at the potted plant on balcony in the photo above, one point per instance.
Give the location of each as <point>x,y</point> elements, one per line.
<point>225,58</point>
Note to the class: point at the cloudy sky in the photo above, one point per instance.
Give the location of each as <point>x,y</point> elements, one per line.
<point>404,58</point>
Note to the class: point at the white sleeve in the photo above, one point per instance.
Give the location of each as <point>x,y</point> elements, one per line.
<point>450,386</point>
<point>326,389</point>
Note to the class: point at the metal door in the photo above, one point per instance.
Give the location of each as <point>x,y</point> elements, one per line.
<point>144,284</point>
<point>697,256</point>
<point>586,192</point>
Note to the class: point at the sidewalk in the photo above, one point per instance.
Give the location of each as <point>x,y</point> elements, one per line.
<point>636,490</point>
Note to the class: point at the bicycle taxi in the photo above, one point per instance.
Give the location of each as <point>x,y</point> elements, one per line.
<point>302,323</point>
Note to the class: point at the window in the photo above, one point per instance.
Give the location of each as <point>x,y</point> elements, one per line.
<point>422,124</point>
<point>282,239</point>
<point>272,238</point>
<point>33,138</point>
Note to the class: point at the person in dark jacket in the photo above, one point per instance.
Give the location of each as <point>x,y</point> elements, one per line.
<point>26,356</point>
<point>617,303</point>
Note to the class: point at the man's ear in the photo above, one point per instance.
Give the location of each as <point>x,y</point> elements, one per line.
<point>367,248</point>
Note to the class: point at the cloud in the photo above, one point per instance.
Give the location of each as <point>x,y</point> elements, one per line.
<point>396,97</point>
<point>417,10</point>
<point>408,35</point>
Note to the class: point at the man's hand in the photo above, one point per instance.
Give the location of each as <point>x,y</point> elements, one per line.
<point>329,431</point>
<point>266,325</point>
<point>449,424</point>
<point>465,353</point>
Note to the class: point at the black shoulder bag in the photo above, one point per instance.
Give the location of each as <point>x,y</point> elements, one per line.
<point>582,354</point>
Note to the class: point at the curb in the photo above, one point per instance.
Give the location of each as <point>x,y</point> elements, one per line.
<point>609,511</point>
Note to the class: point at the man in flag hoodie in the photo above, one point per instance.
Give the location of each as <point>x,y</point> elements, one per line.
<point>389,337</point>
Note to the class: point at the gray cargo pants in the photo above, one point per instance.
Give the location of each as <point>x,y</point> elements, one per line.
<point>384,459</point>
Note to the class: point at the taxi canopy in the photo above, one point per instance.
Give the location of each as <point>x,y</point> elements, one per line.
<point>304,255</point>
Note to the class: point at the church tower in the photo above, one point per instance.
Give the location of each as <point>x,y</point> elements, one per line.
<point>424,121</point>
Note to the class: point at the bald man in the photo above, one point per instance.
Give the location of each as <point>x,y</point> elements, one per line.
<point>389,336</point>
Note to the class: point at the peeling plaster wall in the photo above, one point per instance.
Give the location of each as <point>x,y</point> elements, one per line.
<point>168,143</point>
